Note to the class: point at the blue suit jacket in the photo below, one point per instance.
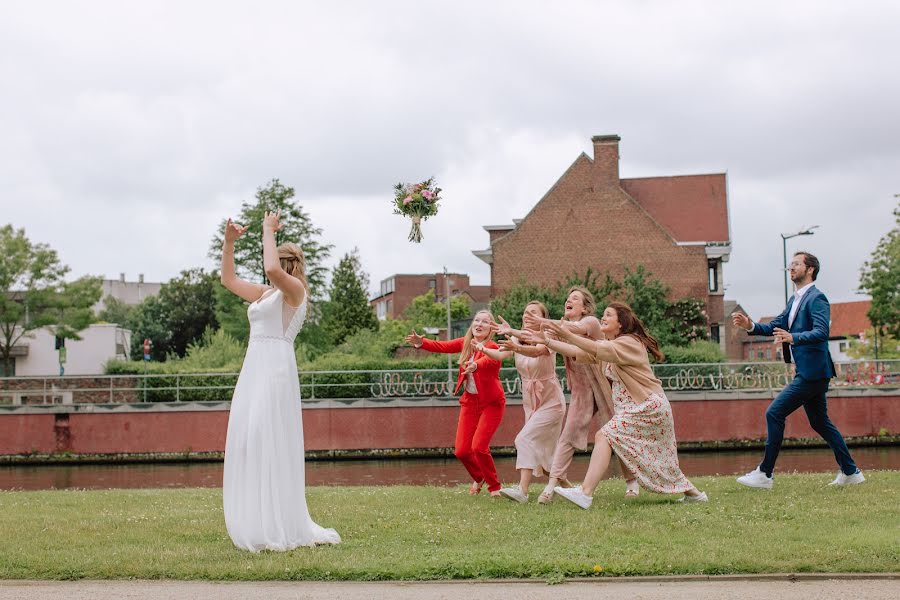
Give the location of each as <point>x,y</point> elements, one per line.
<point>810,330</point>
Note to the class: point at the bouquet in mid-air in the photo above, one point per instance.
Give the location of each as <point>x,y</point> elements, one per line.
<point>418,201</point>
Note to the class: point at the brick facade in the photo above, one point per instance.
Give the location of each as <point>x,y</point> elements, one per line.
<point>397,291</point>
<point>588,220</point>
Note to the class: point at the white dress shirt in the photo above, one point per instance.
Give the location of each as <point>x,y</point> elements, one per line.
<point>798,296</point>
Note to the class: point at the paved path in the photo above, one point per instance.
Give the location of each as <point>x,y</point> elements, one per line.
<point>632,589</point>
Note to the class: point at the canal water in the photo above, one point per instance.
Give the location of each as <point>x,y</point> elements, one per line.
<point>408,471</point>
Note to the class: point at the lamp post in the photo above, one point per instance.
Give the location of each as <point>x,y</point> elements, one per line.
<point>784,238</point>
<point>447,283</point>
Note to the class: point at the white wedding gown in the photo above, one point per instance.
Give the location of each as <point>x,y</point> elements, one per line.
<point>264,486</point>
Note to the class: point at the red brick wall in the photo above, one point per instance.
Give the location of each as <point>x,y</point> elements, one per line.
<point>578,225</point>
<point>423,427</point>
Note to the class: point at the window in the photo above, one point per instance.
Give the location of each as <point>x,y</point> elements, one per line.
<point>432,284</point>
<point>381,310</point>
<point>759,355</point>
<point>714,333</point>
<point>842,346</point>
<point>389,305</point>
<point>387,286</point>
<point>768,354</point>
<point>713,276</point>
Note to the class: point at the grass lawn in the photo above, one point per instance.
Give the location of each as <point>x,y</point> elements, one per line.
<point>443,533</point>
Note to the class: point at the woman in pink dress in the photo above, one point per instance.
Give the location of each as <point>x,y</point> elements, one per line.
<point>542,399</point>
<point>590,391</point>
<point>642,431</point>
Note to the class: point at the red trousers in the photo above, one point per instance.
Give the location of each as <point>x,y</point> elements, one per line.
<point>478,421</point>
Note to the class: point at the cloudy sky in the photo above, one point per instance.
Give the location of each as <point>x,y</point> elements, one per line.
<point>129,129</point>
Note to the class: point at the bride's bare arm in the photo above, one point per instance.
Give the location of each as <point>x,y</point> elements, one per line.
<point>245,289</point>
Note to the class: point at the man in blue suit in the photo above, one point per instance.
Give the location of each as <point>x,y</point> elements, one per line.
<point>802,330</point>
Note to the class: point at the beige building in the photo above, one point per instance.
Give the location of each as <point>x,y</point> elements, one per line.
<point>127,292</point>
<point>36,354</point>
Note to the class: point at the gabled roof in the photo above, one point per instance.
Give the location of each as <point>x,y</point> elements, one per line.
<point>692,208</point>
<point>849,318</point>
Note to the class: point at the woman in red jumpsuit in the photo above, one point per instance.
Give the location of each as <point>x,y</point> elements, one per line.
<point>482,403</point>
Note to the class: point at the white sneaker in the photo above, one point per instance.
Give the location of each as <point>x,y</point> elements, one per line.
<point>854,479</point>
<point>756,479</point>
<point>514,493</point>
<point>701,498</point>
<point>575,495</point>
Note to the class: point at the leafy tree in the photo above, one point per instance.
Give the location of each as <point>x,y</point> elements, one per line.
<point>231,314</point>
<point>512,304</point>
<point>148,321</point>
<point>880,278</point>
<point>297,228</point>
<point>676,323</point>
<point>425,311</point>
<point>184,308</point>
<point>116,311</point>
<point>33,293</point>
<point>347,310</point>
<point>188,302</point>
<point>888,346</point>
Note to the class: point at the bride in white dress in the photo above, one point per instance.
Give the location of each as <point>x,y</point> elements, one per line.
<point>264,487</point>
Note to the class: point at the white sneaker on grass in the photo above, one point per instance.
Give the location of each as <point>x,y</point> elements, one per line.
<point>702,497</point>
<point>514,493</point>
<point>854,479</point>
<point>756,479</point>
<point>576,496</point>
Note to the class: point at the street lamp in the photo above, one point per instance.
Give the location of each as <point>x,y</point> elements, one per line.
<point>447,284</point>
<point>784,238</point>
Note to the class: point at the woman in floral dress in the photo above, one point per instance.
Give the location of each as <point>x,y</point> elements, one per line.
<point>642,431</point>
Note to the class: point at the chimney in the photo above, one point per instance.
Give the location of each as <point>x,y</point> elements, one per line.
<point>140,278</point>
<point>606,161</point>
<point>122,277</point>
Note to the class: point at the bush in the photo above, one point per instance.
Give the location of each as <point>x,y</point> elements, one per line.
<point>700,351</point>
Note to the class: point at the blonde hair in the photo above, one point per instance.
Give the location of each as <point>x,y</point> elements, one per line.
<point>544,312</point>
<point>292,261</point>
<point>467,341</point>
<point>590,305</point>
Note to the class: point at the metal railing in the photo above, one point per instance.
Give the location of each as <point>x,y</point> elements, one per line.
<point>386,384</point>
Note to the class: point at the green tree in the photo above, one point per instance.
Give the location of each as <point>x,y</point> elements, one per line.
<point>33,293</point>
<point>347,310</point>
<point>188,302</point>
<point>425,311</point>
<point>116,311</point>
<point>676,323</point>
<point>512,304</point>
<point>149,321</point>
<point>880,278</point>
<point>231,314</point>
<point>888,346</point>
<point>297,228</point>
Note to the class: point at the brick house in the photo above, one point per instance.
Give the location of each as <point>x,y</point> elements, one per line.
<point>397,291</point>
<point>677,227</point>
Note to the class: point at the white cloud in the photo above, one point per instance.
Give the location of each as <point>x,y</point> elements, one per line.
<point>130,130</point>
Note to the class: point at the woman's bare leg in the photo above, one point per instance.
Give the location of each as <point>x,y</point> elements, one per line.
<point>599,464</point>
<point>524,480</point>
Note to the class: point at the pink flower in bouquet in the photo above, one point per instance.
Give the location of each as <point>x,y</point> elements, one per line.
<point>407,200</point>
<point>427,194</point>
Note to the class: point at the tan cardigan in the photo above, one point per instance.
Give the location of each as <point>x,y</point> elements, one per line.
<point>628,356</point>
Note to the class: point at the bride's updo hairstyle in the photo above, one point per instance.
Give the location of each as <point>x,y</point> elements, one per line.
<point>292,261</point>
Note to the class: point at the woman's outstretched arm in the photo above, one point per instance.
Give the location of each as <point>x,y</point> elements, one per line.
<point>250,292</point>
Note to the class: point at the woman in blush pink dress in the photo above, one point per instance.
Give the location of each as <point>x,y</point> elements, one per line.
<point>542,399</point>
<point>642,431</point>
<point>590,392</point>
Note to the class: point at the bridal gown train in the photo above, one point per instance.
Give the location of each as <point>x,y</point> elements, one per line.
<point>264,486</point>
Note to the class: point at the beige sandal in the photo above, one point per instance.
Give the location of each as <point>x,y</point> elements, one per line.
<point>632,488</point>
<point>546,496</point>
